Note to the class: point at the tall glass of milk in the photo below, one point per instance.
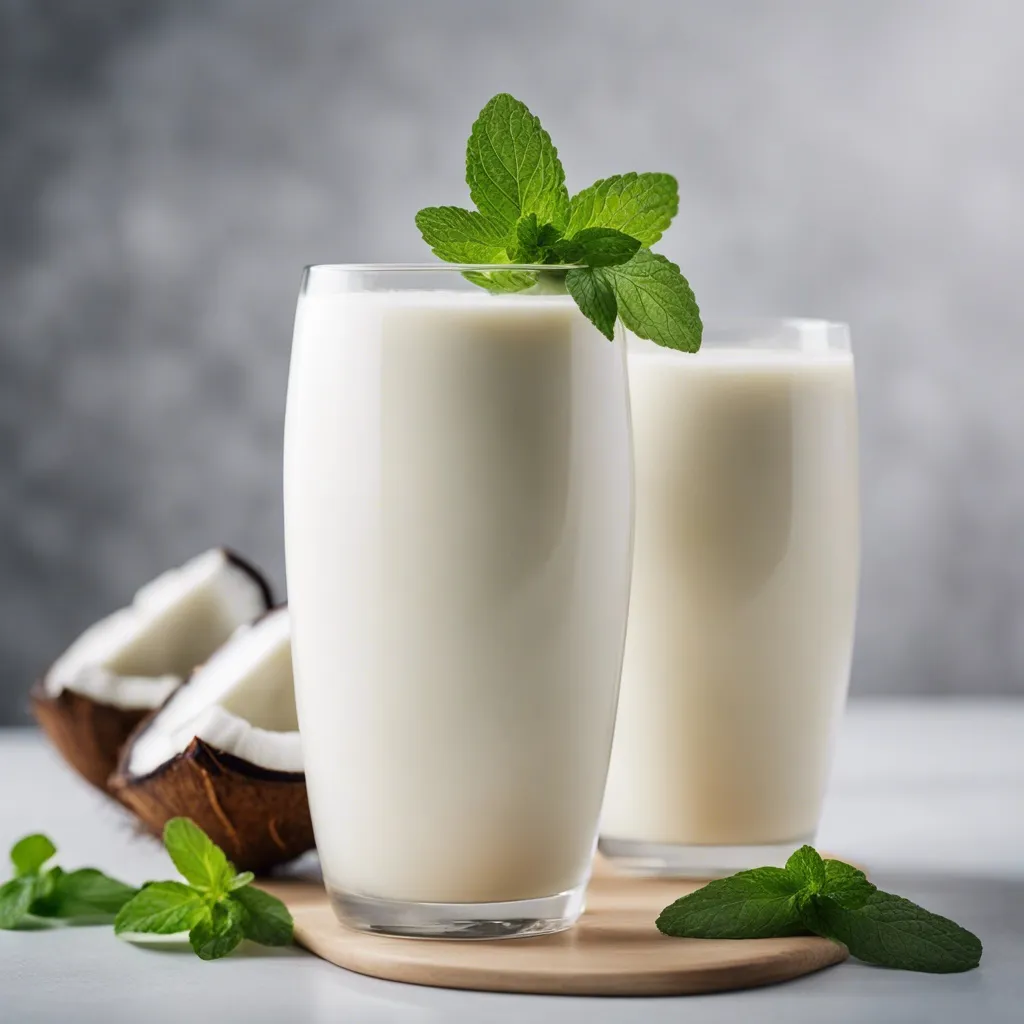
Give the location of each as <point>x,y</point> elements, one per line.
<point>458,518</point>
<point>743,600</point>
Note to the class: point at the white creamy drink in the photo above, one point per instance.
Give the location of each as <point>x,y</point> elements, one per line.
<point>744,588</point>
<point>458,528</point>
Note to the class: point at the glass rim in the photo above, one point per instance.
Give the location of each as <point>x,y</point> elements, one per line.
<point>724,321</point>
<point>740,321</point>
<point>406,268</point>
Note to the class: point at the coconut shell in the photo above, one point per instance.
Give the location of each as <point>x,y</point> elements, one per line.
<point>87,734</point>
<point>259,817</point>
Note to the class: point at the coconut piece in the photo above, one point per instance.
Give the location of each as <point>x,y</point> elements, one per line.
<point>224,750</point>
<point>129,663</point>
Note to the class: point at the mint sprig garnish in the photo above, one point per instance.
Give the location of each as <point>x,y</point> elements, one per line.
<point>524,215</point>
<point>828,898</point>
<point>218,907</point>
<point>37,892</point>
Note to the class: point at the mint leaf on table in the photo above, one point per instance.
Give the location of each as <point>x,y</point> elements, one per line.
<point>512,167</point>
<point>656,302</point>
<point>218,931</point>
<point>592,290</point>
<point>55,893</point>
<point>29,854</point>
<point>806,864</point>
<point>846,885</point>
<point>243,878</point>
<point>757,904</point>
<point>641,205</point>
<point>197,857</point>
<point>218,910</point>
<point>161,908</point>
<point>827,898</point>
<point>266,918</point>
<point>15,901</point>
<point>86,892</point>
<point>893,932</point>
<point>463,236</point>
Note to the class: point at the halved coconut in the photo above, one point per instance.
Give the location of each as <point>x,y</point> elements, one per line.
<point>225,751</point>
<point>127,664</point>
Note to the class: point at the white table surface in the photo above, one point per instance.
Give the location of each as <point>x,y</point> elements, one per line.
<point>929,796</point>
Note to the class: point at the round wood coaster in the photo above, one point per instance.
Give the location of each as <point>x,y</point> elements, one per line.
<point>614,950</point>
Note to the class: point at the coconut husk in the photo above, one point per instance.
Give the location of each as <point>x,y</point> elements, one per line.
<point>87,734</point>
<point>259,817</point>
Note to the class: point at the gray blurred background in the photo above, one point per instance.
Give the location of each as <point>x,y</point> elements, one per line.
<point>166,168</point>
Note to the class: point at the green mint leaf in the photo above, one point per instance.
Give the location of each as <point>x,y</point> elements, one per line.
<point>893,932</point>
<point>197,857</point>
<point>15,901</point>
<point>527,231</point>
<point>243,878</point>
<point>847,885</point>
<point>656,302</point>
<point>756,904</point>
<point>218,931</point>
<point>45,883</point>
<point>527,238</point>
<point>266,918</point>
<point>28,855</point>
<point>599,247</point>
<point>566,250</point>
<point>641,205</point>
<point>808,868</point>
<point>462,236</point>
<point>548,235</point>
<point>162,908</point>
<point>512,167</point>
<point>592,291</point>
<point>83,893</point>
<point>502,280</point>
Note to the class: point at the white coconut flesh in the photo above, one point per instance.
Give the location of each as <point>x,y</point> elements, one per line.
<point>241,702</point>
<point>136,657</point>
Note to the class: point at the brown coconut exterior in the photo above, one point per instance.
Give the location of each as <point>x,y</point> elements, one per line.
<point>259,817</point>
<point>87,734</point>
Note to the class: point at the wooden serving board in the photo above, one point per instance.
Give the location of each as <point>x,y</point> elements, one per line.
<point>614,950</point>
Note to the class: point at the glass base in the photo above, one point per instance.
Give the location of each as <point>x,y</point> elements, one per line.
<point>505,920</point>
<point>672,860</point>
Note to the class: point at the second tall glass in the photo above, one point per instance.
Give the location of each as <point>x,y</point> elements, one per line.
<point>744,589</point>
<point>458,513</point>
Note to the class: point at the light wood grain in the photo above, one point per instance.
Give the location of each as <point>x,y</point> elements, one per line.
<point>615,949</point>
